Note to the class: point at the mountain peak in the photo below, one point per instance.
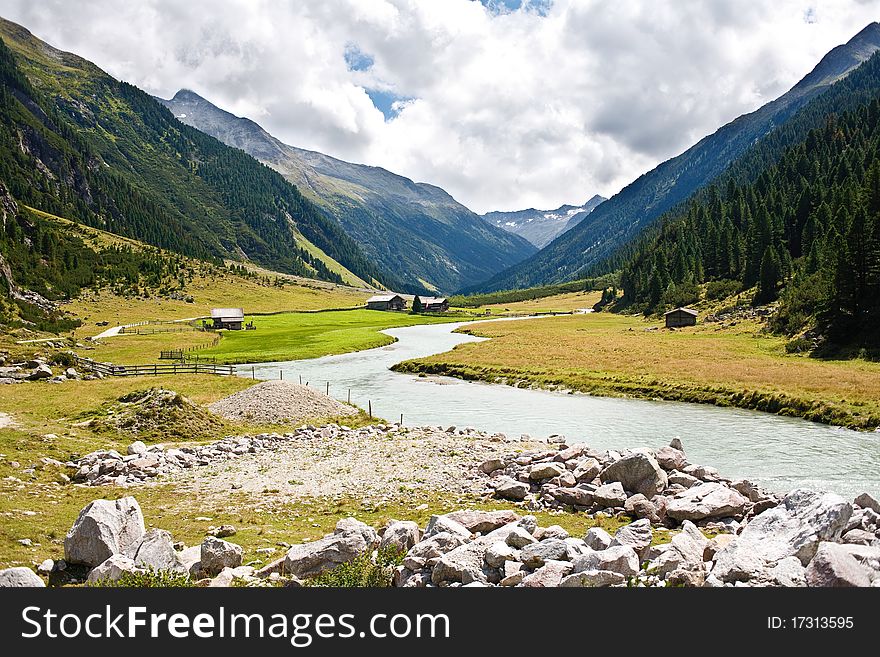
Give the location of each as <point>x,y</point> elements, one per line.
<point>186,94</point>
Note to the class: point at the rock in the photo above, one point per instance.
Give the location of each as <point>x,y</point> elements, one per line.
<point>702,472</point>
<point>737,563</point>
<point>20,577</point>
<point>498,553</point>
<point>541,471</point>
<point>636,535</point>
<point>747,489</point>
<point>706,500</point>
<point>311,559</point>
<point>464,564</point>
<point>491,465</point>
<point>610,495</point>
<point>787,572</point>
<point>353,525</point>
<point>620,559</point>
<point>46,567</point>
<point>675,443</point>
<point>190,556</point>
<point>670,458</point>
<point>519,537</point>
<point>537,554</point>
<point>547,576</point>
<point>223,531</point>
<point>137,447</point>
<point>682,479</point>
<point>483,521</point>
<point>796,526</point>
<point>686,578</point>
<point>155,550</point>
<point>867,502</point>
<point>690,543</point>
<point>445,524</point>
<point>593,579</point>
<point>217,554</point>
<point>637,472</point>
<point>42,371</point>
<point>71,373</point>
<point>431,548</point>
<point>113,569</point>
<point>553,531</point>
<point>598,539</point>
<point>834,566</point>
<point>587,470</point>
<point>640,506</point>
<point>716,544</point>
<point>529,523</point>
<point>573,496</point>
<point>102,529</point>
<point>860,537</point>
<point>399,536</point>
<point>510,489</point>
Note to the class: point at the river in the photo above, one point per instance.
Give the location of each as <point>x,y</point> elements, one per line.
<point>777,452</point>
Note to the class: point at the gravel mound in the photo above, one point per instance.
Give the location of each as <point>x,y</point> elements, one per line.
<point>276,402</point>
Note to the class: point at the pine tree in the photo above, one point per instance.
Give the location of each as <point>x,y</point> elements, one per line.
<point>417,305</point>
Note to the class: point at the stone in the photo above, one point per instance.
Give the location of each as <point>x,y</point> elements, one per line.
<point>353,525</point>
<point>835,567</point>
<point>113,569</point>
<point>445,524</point>
<point>587,470</point>
<point>541,471</point>
<point>795,527</point>
<point>46,566</point>
<point>706,500</point>
<point>513,579</point>
<point>529,523</point>
<point>549,575</point>
<point>536,554</point>
<point>464,564</point>
<point>483,521</point>
<point>610,495</point>
<point>860,537</point>
<point>553,531</point>
<point>498,553</point>
<point>431,548</point>
<point>399,536</point>
<point>686,578</point>
<point>638,472</point>
<point>675,443</point>
<point>787,572</point>
<point>189,556</point>
<point>155,550</point>
<point>573,496</point>
<point>510,489</point>
<point>716,544</point>
<point>217,554</point>
<point>866,501</point>
<point>620,559</point>
<point>598,539</point>
<point>316,557</point>
<point>491,465</point>
<point>636,535</point>
<point>640,506</point>
<point>670,458</point>
<point>20,577</point>
<point>747,489</point>
<point>690,543</point>
<point>592,579</point>
<point>42,371</point>
<point>102,529</point>
<point>519,537</point>
<point>737,562</point>
<point>223,531</point>
<point>682,479</point>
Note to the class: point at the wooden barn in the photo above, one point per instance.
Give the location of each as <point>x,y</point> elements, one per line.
<point>386,302</point>
<point>434,304</point>
<point>681,317</point>
<point>228,318</point>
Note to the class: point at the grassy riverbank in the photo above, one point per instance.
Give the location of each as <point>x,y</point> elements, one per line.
<point>292,336</point>
<point>616,355</point>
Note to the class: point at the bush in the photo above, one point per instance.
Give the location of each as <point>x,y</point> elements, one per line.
<point>717,290</point>
<point>63,359</point>
<point>151,579</point>
<point>362,572</point>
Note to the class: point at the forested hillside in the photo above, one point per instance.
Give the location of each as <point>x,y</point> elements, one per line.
<point>798,217</point>
<point>77,143</point>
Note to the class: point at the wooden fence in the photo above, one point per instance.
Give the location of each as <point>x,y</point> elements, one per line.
<point>156,369</point>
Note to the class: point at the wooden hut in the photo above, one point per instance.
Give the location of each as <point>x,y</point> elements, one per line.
<point>386,302</point>
<point>228,318</point>
<point>681,317</point>
<point>435,304</point>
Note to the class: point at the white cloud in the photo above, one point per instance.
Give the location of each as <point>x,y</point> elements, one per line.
<point>506,109</point>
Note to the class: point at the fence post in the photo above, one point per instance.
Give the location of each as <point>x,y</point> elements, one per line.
<point>370,408</point>
<point>253,374</point>
<point>328,389</point>
<point>401,419</point>
<point>300,379</point>
<point>281,375</point>
<point>349,395</point>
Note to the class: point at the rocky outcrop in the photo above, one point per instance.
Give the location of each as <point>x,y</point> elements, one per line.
<point>104,528</point>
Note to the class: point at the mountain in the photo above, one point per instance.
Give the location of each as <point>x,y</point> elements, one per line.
<point>79,144</point>
<point>414,229</point>
<point>621,218</point>
<point>798,218</point>
<point>540,227</point>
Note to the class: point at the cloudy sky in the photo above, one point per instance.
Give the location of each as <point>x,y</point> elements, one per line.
<point>507,104</point>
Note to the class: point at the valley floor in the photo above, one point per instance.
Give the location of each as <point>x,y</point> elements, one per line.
<point>731,364</point>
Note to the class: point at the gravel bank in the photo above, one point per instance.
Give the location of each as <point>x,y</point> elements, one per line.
<point>277,402</point>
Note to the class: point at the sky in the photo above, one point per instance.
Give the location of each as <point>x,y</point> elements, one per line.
<point>506,104</point>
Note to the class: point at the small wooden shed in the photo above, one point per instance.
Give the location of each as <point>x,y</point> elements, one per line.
<point>386,302</point>
<point>435,304</point>
<point>228,318</point>
<point>681,317</point>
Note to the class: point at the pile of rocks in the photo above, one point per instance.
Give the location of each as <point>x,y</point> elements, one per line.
<point>37,369</point>
<point>658,485</point>
<point>277,402</point>
<point>809,539</point>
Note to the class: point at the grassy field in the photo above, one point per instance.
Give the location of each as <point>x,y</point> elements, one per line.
<point>560,303</point>
<point>620,355</point>
<point>290,336</point>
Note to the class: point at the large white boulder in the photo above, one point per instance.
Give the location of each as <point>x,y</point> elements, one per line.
<point>638,472</point>
<point>19,577</point>
<point>102,529</point>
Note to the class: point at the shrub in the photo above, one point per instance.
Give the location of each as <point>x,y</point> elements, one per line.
<point>717,290</point>
<point>362,572</point>
<point>151,579</point>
